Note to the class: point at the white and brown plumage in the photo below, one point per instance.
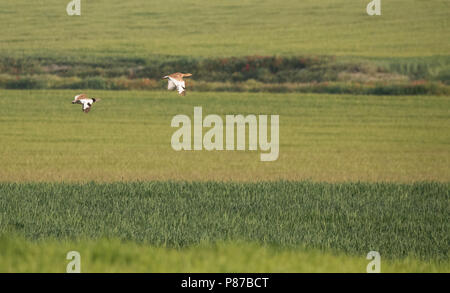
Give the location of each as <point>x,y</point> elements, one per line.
<point>176,82</point>
<point>85,101</point>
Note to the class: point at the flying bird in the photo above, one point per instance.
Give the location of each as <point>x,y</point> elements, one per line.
<point>176,82</point>
<point>85,101</point>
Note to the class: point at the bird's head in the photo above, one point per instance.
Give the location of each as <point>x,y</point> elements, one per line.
<point>187,74</point>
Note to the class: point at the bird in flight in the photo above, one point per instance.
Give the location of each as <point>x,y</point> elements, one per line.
<point>85,101</point>
<point>176,82</point>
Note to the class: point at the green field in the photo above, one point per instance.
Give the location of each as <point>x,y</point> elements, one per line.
<point>333,138</point>
<point>355,218</point>
<point>228,46</point>
<point>113,256</point>
<point>364,147</point>
<point>405,223</point>
<point>228,28</point>
<point>126,137</point>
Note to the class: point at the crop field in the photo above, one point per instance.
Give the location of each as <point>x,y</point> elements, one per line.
<point>395,219</point>
<point>325,138</point>
<point>407,28</point>
<point>364,136</point>
<point>332,138</point>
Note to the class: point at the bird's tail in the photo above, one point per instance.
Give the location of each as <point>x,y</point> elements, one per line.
<point>187,74</point>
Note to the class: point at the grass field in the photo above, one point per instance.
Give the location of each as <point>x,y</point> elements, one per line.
<point>319,227</point>
<point>112,256</point>
<point>143,28</point>
<point>334,138</point>
<point>397,220</point>
<point>355,172</point>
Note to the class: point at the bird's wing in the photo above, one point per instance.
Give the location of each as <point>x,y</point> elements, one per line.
<point>171,85</point>
<point>87,103</point>
<point>177,83</point>
<point>180,84</point>
<point>181,87</point>
<point>80,97</point>
<point>176,76</point>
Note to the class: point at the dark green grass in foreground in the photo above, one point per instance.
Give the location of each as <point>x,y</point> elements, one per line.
<point>398,220</point>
